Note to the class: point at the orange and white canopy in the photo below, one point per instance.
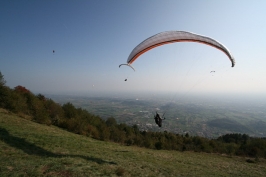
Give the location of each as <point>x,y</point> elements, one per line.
<point>171,37</point>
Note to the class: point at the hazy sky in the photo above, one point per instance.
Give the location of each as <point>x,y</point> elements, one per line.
<point>91,38</point>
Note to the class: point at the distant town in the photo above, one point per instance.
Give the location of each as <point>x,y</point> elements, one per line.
<point>207,117</point>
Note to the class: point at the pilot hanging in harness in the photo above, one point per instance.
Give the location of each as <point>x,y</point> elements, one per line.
<point>158,119</point>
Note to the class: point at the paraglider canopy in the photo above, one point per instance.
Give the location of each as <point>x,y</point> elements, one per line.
<point>127,65</point>
<point>172,37</point>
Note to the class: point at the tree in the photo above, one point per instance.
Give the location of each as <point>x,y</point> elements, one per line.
<point>21,89</point>
<point>3,91</point>
<point>159,145</point>
<point>70,110</point>
<point>2,80</point>
<point>111,122</point>
<point>55,111</point>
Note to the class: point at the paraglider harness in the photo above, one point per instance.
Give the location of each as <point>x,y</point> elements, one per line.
<point>158,119</point>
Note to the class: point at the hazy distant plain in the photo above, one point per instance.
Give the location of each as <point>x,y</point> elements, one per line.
<point>197,114</point>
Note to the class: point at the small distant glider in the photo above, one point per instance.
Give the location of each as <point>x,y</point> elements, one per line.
<point>212,72</point>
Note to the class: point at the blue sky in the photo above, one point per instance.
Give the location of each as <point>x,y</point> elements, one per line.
<point>91,39</point>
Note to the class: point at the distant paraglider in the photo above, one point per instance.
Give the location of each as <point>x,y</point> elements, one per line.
<point>158,119</point>
<point>172,37</point>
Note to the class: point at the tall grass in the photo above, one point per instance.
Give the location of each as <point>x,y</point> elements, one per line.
<point>31,149</point>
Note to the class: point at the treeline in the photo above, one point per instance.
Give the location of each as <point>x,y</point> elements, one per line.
<point>43,110</point>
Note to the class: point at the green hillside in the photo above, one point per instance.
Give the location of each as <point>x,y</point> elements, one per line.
<point>31,149</point>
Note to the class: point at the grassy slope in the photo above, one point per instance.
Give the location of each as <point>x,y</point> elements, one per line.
<point>31,149</point>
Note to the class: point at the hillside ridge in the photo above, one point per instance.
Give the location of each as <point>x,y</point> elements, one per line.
<point>32,149</point>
